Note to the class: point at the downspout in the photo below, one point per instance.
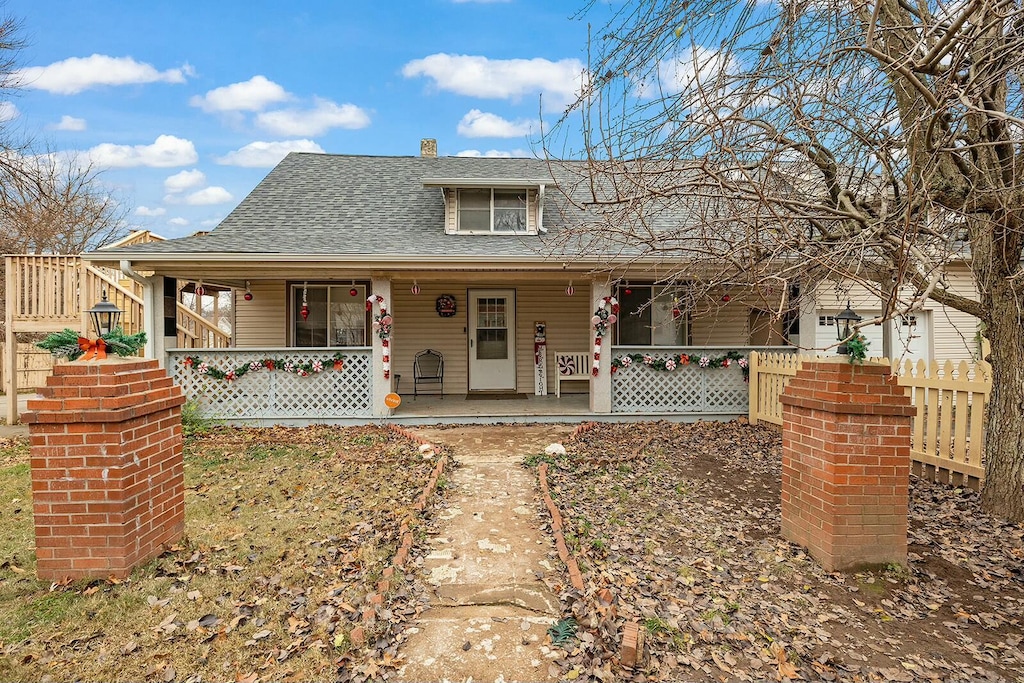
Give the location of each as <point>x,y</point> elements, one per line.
<point>540,210</point>
<point>149,306</point>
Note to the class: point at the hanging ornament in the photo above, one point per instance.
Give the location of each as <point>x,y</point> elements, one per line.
<point>627,291</point>
<point>200,290</point>
<point>415,288</point>
<point>570,290</point>
<point>676,313</point>
<point>353,292</point>
<point>304,311</point>
<point>248,292</point>
<point>726,298</point>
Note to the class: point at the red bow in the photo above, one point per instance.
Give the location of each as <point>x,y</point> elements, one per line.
<point>92,350</point>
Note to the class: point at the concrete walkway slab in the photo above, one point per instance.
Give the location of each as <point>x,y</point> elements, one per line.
<point>491,607</point>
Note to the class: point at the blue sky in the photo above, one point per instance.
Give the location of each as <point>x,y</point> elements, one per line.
<point>187,105</point>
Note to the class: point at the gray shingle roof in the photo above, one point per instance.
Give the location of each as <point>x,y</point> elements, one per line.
<point>340,204</point>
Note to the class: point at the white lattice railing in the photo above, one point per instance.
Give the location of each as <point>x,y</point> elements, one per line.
<point>278,396</point>
<point>687,388</point>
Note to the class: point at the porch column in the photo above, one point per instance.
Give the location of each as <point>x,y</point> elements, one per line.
<point>600,386</point>
<point>153,319</point>
<point>380,286</point>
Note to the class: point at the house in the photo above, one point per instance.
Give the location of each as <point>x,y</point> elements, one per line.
<point>344,268</point>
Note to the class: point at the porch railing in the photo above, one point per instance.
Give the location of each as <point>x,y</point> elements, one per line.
<point>687,388</point>
<point>276,396</point>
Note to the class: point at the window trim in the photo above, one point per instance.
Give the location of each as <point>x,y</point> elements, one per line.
<point>293,287</point>
<point>656,291</point>
<point>524,191</point>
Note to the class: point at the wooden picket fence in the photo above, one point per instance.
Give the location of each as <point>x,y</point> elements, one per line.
<point>947,434</point>
<point>33,366</point>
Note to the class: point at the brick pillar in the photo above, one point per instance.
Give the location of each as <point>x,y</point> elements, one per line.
<point>107,474</point>
<point>846,464</point>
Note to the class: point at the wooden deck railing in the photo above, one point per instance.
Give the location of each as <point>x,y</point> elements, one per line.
<point>196,332</point>
<point>947,434</point>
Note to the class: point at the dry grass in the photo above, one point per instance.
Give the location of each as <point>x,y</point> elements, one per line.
<point>286,532</point>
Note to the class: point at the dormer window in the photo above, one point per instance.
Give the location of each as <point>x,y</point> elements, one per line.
<point>492,210</point>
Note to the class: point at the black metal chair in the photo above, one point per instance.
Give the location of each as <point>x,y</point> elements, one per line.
<point>427,368</point>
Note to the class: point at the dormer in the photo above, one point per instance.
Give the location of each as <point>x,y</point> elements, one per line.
<point>492,206</point>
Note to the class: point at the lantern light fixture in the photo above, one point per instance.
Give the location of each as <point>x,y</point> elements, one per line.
<point>105,316</point>
<point>843,330</point>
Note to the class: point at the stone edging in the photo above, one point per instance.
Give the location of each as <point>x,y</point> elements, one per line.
<point>375,600</point>
<point>575,577</point>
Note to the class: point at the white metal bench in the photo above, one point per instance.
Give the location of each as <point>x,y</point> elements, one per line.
<point>570,366</point>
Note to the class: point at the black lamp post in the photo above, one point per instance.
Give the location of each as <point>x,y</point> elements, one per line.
<point>105,316</point>
<point>848,317</point>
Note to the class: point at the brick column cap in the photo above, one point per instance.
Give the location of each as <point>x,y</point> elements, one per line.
<point>837,386</point>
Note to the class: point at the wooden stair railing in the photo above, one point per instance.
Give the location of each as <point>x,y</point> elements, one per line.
<point>196,332</point>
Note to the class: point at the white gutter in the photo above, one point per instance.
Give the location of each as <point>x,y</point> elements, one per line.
<point>150,320</point>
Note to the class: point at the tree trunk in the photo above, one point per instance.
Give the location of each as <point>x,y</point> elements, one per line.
<point>1003,493</point>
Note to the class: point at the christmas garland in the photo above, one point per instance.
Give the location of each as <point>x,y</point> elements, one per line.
<point>300,368</point>
<point>675,360</point>
<point>67,344</point>
<point>604,317</point>
<point>382,322</point>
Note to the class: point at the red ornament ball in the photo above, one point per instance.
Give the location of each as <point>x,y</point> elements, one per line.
<point>200,291</point>
<point>726,298</point>
<point>247,296</point>
<point>353,292</point>
<point>627,291</point>
<point>415,290</point>
<point>304,312</point>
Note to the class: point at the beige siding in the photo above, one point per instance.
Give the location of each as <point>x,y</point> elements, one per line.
<point>725,326</point>
<point>418,326</point>
<point>954,333</point>
<point>262,321</point>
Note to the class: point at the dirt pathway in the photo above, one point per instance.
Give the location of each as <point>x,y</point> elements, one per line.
<point>490,608</point>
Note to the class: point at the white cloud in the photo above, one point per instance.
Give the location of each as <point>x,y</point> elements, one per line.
<point>695,70</point>
<point>496,153</point>
<point>8,111</point>
<point>184,180</point>
<point>178,221</point>
<point>166,152</point>
<point>210,222</point>
<point>146,211</point>
<point>478,76</point>
<point>251,95</point>
<point>69,123</point>
<point>312,122</point>
<point>208,196</point>
<point>266,154</point>
<point>75,74</point>
<point>479,124</point>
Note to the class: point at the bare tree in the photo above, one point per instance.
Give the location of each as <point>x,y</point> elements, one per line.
<point>53,203</point>
<point>867,140</point>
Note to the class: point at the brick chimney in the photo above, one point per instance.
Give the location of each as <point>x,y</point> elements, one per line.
<point>428,147</point>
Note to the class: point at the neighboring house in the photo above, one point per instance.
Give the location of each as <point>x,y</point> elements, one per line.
<point>469,256</point>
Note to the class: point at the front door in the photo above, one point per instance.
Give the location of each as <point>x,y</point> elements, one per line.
<point>492,339</point>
